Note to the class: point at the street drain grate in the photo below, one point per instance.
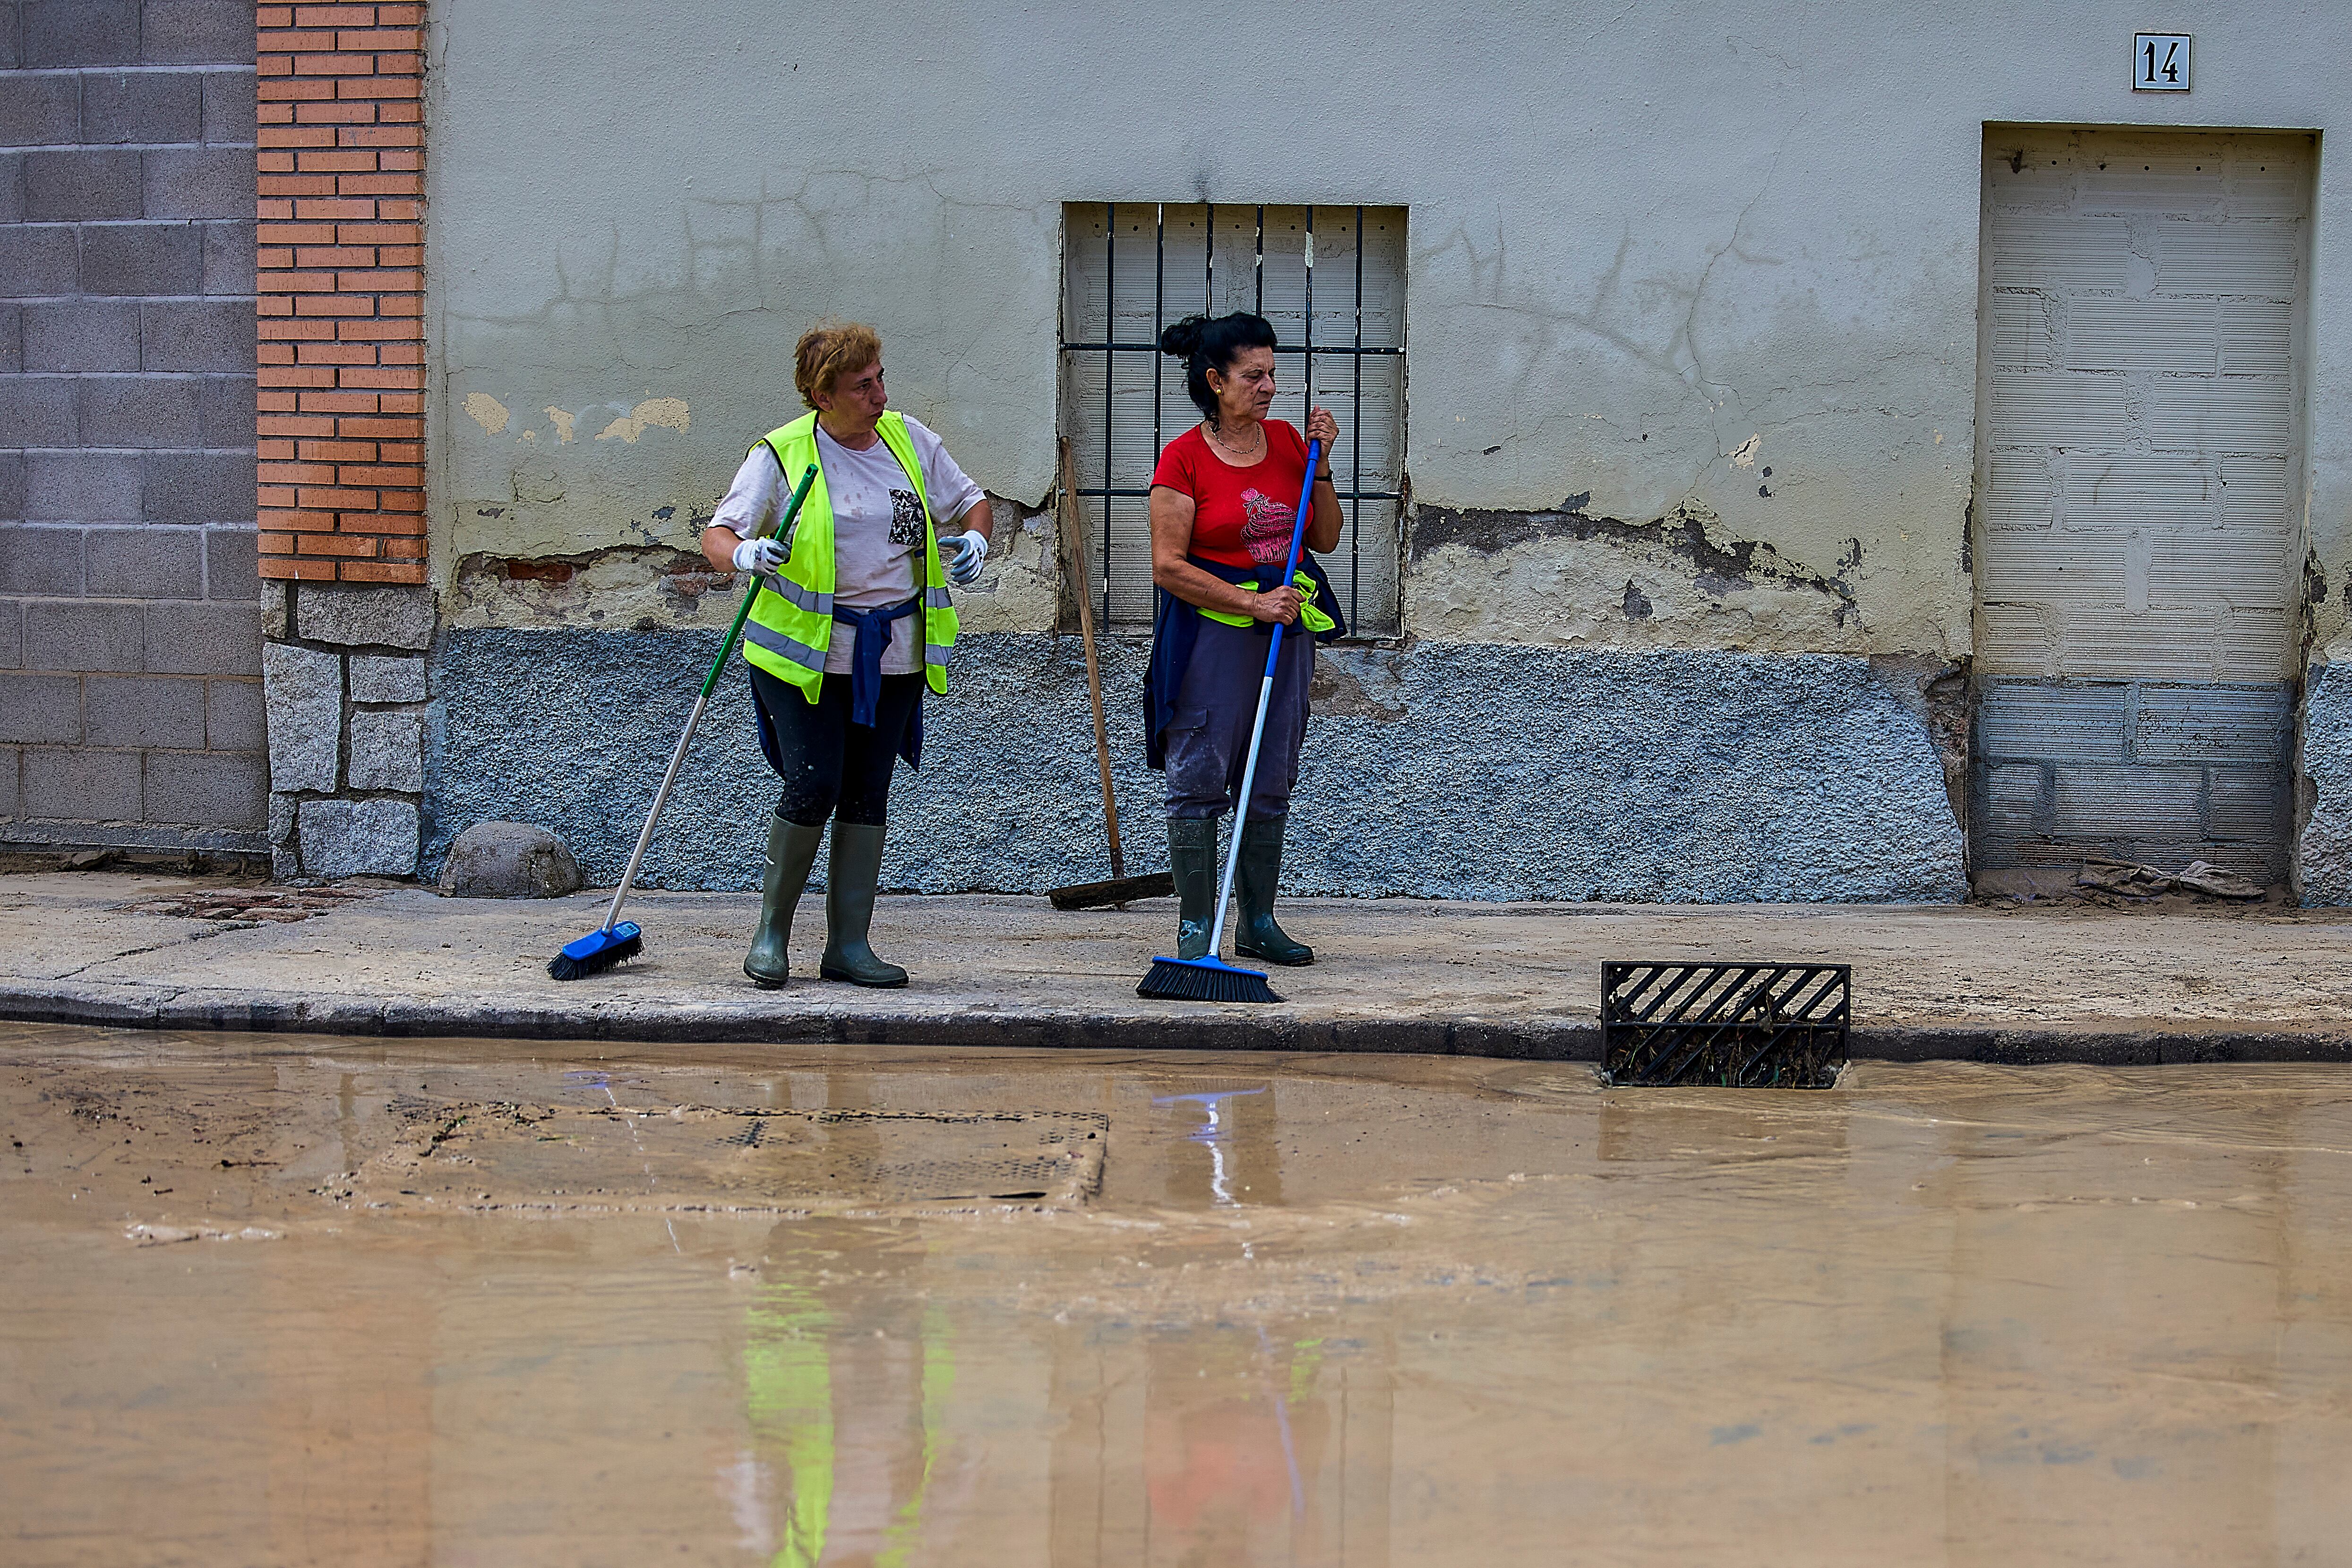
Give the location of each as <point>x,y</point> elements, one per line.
<point>1743,1026</point>
<point>484,1154</point>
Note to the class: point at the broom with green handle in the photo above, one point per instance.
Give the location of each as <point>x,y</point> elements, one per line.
<point>618,939</point>
<point>1209,979</point>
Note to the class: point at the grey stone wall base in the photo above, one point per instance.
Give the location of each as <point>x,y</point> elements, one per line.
<point>303,688</point>
<point>383,678</point>
<point>359,838</point>
<point>1443,771</point>
<point>321,742</point>
<point>387,749</point>
<point>364,617</point>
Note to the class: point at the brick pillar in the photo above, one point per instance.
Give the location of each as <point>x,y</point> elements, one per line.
<point>341,153</point>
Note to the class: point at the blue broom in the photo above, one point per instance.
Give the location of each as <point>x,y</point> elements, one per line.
<point>1209,979</point>
<point>618,939</point>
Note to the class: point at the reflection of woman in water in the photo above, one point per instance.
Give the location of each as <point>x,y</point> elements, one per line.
<point>848,1376</point>
<point>1223,502</point>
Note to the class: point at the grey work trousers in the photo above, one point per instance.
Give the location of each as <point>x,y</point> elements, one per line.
<point>1208,739</point>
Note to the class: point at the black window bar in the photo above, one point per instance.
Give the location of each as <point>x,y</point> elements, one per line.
<point>1380,484</point>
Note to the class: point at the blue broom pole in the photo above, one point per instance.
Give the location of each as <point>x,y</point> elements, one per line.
<point>1264,701</point>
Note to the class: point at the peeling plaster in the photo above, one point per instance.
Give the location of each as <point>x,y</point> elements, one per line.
<point>667,411</point>
<point>487,411</point>
<point>1561,578</point>
<point>657,584</point>
<point>637,587</point>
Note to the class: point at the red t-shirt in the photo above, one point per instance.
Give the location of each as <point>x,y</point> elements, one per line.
<point>1241,517</point>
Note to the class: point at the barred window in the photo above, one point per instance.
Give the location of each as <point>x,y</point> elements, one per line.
<point>1331,279</point>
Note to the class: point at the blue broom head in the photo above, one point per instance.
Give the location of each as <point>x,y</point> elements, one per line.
<point>600,949</point>
<point>1203,980</point>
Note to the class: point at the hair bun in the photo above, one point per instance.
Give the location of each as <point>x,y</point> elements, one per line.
<point>1182,339</point>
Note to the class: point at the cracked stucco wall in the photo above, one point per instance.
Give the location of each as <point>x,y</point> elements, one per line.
<point>1712,259</point>
<point>1692,312</point>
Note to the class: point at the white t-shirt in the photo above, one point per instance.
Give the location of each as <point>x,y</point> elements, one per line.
<point>878,528</point>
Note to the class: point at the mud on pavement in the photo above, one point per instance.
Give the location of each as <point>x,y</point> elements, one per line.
<point>286,1299</point>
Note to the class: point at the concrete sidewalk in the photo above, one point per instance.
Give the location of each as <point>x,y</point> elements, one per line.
<point>1519,980</point>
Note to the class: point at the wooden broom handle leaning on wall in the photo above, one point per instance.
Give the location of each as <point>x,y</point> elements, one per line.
<point>1075,540</point>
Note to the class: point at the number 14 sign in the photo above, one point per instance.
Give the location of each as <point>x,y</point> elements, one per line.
<point>2160,62</point>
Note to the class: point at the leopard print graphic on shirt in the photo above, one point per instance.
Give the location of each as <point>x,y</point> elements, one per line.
<point>905,517</point>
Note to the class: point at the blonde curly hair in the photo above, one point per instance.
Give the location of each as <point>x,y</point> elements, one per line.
<point>828,351</point>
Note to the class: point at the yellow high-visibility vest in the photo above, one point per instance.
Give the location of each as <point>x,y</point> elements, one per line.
<point>791,628</point>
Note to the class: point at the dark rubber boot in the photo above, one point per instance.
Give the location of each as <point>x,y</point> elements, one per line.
<point>849,908</point>
<point>1256,935</point>
<point>1192,856</point>
<point>791,850</point>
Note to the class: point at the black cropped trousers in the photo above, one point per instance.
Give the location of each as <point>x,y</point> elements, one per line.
<point>829,766</point>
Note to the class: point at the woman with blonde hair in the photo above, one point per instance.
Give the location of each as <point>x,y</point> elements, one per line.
<point>851,622</point>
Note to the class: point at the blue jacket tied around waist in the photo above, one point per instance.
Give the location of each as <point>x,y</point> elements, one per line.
<point>1176,626</point>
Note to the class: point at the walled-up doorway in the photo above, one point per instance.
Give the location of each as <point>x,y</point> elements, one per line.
<point>2137,535</point>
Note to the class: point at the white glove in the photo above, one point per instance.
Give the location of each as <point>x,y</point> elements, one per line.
<point>971,551</point>
<point>761,556</point>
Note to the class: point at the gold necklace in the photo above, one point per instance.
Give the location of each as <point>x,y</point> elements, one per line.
<point>1236,450</point>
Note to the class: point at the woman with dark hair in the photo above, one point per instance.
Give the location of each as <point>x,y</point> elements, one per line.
<point>1223,501</point>
<point>851,625</point>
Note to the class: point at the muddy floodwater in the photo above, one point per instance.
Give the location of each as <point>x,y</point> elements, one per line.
<point>286,1300</point>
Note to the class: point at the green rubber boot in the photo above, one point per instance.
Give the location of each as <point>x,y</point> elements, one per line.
<point>791,850</point>
<point>1192,856</point>
<point>1256,935</point>
<point>849,908</point>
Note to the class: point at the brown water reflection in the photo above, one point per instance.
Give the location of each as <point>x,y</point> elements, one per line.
<point>1354,1311</point>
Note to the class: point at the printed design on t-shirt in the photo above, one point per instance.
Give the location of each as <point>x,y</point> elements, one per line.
<point>905,517</point>
<point>1265,527</point>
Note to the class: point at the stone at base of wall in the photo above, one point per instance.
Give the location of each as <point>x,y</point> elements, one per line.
<point>359,838</point>
<point>364,617</point>
<point>386,750</point>
<point>1437,770</point>
<point>323,741</point>
<point>303,691</point>
<point>509,859</point>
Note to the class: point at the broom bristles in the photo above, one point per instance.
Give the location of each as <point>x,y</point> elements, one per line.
<point>1203,980</point>
<point>597,951</point>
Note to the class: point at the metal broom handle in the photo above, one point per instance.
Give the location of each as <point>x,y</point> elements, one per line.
<point>1265,700</point>
<point>694,719</point>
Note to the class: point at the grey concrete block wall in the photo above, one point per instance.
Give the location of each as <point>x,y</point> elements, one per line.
<point>130,608</point>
